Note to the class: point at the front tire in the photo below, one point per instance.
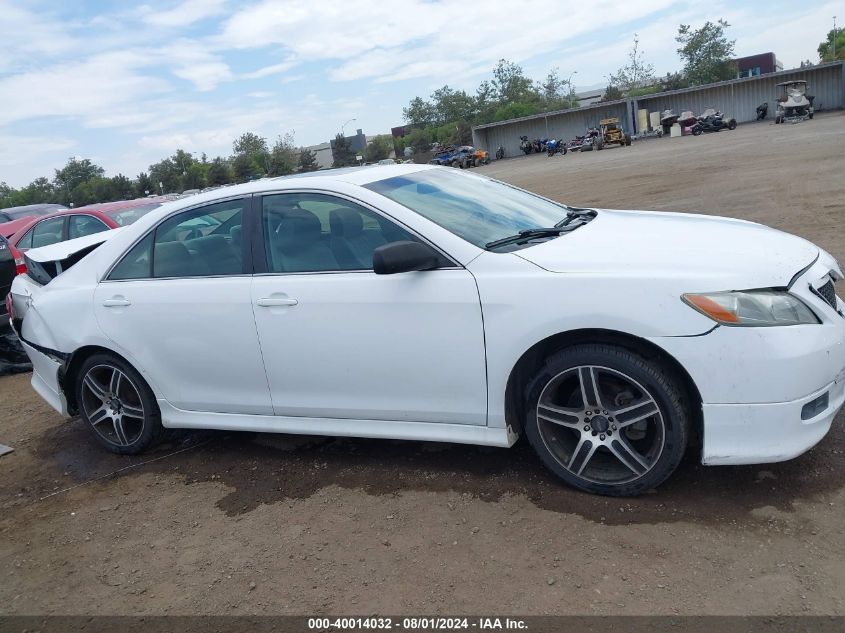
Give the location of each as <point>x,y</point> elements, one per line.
<point>606,420</point>
<point>117,405</point>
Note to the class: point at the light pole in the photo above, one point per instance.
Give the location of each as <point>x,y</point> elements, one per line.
<point>571,89</point>
<point>344,125</point>
<point>834,38</point>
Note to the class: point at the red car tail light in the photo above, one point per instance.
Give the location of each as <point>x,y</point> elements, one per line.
<point>20,262</point>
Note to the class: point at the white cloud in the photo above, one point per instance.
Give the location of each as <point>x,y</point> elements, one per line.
<point>193,62</point>
<point>183,14</point>
<point>27,37</point>
<point>13,146</point>
<point>274,69</point>
<point>79,89</point>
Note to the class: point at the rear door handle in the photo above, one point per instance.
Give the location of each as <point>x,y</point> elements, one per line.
<point>117,303</point>
<point>270,302</point>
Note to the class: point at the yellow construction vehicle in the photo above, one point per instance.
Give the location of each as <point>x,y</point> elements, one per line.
<point>611,133</point>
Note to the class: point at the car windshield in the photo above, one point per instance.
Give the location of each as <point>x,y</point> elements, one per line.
<point>479,210</point>
<point>124,217</point>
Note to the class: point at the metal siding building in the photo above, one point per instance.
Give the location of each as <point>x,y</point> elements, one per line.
<point>737,98</point>
<point>564,124</point>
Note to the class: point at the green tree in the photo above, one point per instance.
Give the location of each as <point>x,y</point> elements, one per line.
<point>419,112</point>
<point>378,148</point>
<point>420,139</point>
<point>195,177</point>
<point>511,84</point>
<point>637,73</point>
<point>283,157</point>
<point>144,185</point>
<point>250,144</point>
<point>706,52</point>
<point>514,111</point>
<point>674,81</point>
<point>308,160</point>
<point>219,172</point>
<point>166,176</point>
<point>452,105</point>
<point>611,93</point>
<point>342,153</point>
<point>74,173</point>
<point>485,101</point>
<point>245,169</point>
<point>121,188</point>
<point>825,49</point>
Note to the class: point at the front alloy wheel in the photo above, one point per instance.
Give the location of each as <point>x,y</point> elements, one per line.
<point>607,420</point>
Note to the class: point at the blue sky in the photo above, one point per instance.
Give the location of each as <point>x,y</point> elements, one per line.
<point>126,84</point>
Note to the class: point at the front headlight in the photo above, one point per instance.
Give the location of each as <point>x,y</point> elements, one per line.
<point>752,308</point>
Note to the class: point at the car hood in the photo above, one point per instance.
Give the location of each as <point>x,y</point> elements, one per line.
<point>711,252</point>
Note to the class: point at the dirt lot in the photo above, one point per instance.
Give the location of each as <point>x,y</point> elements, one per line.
<point>279,524</point>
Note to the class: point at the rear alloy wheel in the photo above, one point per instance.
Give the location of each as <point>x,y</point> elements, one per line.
<point>118,405</point>
<point>606,420</point>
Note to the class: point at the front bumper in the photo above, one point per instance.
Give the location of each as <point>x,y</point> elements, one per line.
<point>762,433</point>
<point>755,382</point>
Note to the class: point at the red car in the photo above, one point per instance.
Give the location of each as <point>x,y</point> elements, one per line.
<point>13,218</point>
<point>72,223</point>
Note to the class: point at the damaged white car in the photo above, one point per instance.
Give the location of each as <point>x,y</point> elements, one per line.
<point>417,302</point>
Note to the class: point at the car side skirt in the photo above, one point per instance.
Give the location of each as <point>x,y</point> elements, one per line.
<point>171,417</point>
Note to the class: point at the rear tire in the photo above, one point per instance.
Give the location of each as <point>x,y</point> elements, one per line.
<point>117,405</point>
<point>623,443</point>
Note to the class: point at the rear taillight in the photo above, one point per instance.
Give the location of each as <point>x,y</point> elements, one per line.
<point>20,262</point>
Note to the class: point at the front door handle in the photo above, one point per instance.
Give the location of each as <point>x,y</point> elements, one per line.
<point>117,303</point>
<point>270,302</point>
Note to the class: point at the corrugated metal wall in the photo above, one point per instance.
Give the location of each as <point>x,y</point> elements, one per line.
<point>738,98</point>
<point>565,125</point>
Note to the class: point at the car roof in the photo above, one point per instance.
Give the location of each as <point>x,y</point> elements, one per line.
<point>35,207</point>
<point>106,207</point>
<point>322,179</point>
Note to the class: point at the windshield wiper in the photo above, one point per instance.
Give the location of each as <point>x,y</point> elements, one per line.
<point>526,234</point>
<point>577,212</point>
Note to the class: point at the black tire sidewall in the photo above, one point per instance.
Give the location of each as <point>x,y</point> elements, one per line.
<point>662,386</point>
<point>153,429</point>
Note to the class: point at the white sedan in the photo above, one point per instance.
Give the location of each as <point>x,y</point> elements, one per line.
<point>417,302</point>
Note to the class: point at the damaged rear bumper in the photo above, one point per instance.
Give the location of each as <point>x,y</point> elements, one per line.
<point>46,373</point>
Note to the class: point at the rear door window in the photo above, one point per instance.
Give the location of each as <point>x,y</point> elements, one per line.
<point>201,242</point>
<point>48,232</point>
<point>82,225</point>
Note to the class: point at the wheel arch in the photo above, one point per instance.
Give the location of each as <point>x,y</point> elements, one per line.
<point>68,377</point>
<point>533,358</point>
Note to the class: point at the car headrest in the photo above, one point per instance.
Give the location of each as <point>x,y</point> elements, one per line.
<point>345,222</point>
<point>298,229</point>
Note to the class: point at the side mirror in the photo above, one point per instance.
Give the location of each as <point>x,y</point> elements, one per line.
<point>403,257</point>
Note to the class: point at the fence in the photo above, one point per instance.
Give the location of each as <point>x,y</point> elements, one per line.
<point>737,98</point>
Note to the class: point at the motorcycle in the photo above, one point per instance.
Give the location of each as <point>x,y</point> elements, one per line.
<point>762,111</point>
<point>500,152</point>
<point>553,146</point>
<point>712,121</point>
<point>525,145</point>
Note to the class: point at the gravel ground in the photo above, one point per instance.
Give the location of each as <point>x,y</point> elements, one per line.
<point>248,524</point>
